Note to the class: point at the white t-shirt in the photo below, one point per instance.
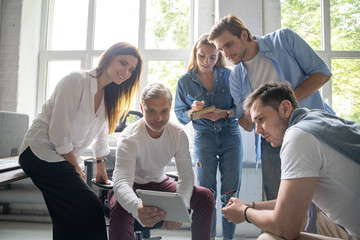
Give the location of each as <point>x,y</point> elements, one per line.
<point>68,122</point>
<point>260,70</point>
<point>338,189</point>
<point>143,159</point>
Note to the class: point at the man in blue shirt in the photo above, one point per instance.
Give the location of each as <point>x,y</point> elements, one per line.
<point>277,57</point>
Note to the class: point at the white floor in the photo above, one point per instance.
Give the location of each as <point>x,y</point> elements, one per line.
<point>43,231</point>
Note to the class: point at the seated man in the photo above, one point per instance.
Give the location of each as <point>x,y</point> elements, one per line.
<point>319,161</point>
<point>144,149</point>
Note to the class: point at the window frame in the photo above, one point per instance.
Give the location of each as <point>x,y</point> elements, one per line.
<point>327,54</point>
<point>86,56</point>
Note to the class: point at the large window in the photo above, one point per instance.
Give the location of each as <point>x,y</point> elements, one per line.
<point>332,28</point>
<point>75,37</point>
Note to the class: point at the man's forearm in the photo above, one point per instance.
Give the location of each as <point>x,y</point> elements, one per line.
<point>245,121</point>
<point>311,85</point>
<point>268,205</point>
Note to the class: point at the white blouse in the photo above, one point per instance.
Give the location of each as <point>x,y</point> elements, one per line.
<point>68,122</point>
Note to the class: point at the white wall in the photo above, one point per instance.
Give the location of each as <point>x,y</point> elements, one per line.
<point>249,11</point>
<point>19,49</point>
<point>28,61</point>
<point>10,19</point>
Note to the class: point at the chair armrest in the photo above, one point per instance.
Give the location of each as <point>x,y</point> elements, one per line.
<point>173,175</point>
<point>103,185</point>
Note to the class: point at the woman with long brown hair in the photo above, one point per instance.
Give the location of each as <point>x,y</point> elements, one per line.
<point>84,108</point>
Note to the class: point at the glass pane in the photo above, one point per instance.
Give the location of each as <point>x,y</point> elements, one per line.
<point>56,70</point>
<point>67,25</point>
<point>116,21</point>
<point>304,17</point>
<point>168,73</point>
<point>345,88</point>
<point>95,61</point>
<point>345,25</point>
<point>167,24</point>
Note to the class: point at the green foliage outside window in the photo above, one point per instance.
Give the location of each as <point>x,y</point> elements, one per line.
<point>304,17</point>
<point>166,72</point>
<point>346,84</point>
<point>345,25</point>
<point>171,22</point>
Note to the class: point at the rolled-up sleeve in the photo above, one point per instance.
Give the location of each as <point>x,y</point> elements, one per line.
<point>181,107</point>
<point>308,60</point>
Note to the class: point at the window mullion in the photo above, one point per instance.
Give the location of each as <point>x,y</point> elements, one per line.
<point>141,44</point>
<point>142,24</point>
<point>41,88</point>
<point>86,62</point>
<point>326,25</point>
<point>326,46</point>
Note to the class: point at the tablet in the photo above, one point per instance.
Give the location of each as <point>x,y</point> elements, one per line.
<point>172,203</point>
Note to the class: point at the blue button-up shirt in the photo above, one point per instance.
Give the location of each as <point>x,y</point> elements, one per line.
<point>294,61</point>
<point>190,84</point>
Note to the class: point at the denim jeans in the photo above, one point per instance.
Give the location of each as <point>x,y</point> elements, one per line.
<point>271,169</point>
<point>221,149</point>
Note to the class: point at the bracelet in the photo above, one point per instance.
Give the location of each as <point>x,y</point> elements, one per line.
<point>191,116</point>
<point>246,219</point>
<point>100,160</point>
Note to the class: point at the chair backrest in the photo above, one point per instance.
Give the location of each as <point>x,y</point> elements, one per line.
<point>13,127</point>
<point>131,117</point>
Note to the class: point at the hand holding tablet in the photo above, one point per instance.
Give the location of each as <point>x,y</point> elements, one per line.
<point>172,203</point>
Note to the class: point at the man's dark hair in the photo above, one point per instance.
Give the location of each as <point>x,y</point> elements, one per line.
<point>272,94</point>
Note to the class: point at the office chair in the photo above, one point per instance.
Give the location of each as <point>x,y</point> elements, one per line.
<point>131,117</point>
<point>141,233</point>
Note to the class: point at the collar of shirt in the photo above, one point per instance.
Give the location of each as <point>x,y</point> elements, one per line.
<point>93,80</point>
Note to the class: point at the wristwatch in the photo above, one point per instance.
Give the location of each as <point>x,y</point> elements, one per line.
<point>100,160</point>
<point>227,114</point>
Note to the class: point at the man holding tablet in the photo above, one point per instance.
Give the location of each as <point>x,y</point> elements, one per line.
<point>143,152</point>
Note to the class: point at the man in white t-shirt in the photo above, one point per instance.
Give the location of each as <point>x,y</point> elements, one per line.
<point>319,162</point>
<point>143,152</point>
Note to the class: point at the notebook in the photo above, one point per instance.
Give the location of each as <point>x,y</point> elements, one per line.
<point>197,114</point>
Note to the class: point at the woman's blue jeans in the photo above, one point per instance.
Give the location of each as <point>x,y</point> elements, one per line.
<point>221,148</point>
